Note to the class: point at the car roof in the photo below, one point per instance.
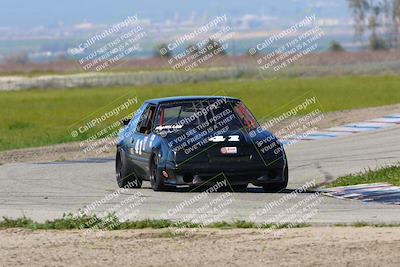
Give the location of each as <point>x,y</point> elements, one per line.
<point>186,98</point>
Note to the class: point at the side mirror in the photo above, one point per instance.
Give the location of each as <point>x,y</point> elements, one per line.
<point>125,122</point>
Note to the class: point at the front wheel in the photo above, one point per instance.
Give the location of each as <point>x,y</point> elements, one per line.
<point>157,183</point>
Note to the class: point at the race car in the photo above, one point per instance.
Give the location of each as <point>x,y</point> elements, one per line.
<point>198,141</point>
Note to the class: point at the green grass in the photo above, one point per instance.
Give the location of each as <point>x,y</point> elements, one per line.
<point>73,222</point>
<point>111,222</point>
<point>366,224</point>
<point>42,117</point>
<point>69,222</point>
<point>390,174</point>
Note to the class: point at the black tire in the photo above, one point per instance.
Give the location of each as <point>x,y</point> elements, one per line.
<point>157,182</point>
<point>275,187</point>
<point>279,186</point>
<point>239,188</point>
<point>125,177</point>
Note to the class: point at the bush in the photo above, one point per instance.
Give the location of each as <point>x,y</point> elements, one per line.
<point>162,51</point>
<point>336,47</point>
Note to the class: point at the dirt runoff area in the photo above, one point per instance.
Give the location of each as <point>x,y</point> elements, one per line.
<point>313,246</point>
<point>74,151</point>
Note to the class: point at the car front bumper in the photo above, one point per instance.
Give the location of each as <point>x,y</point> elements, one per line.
<point>209,174</point>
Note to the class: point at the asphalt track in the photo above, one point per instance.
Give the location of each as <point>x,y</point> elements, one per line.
<point>47,190</point>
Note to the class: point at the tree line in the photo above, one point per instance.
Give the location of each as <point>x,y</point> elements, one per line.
<point>379,20</point>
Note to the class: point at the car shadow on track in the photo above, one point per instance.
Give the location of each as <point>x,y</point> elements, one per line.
<point>250,189</point>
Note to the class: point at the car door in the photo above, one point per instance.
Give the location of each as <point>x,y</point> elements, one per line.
<point>130,137</point>
<point>141,140</point>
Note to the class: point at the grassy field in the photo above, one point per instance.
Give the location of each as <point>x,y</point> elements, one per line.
<point>42,117</point>
<point>389,175</point>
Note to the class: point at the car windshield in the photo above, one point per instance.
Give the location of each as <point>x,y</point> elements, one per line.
<point>195,113</point>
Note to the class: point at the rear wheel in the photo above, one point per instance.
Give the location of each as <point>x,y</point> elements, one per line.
<point>125,177</point>
<point>157,182</point>
<point>275,187</point>
<point>279,186</point>
<point>239,188</point>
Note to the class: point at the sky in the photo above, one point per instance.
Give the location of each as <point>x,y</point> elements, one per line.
<point>28,13</point>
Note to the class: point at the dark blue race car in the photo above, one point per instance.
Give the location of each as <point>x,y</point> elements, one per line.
<point>198,140</point>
